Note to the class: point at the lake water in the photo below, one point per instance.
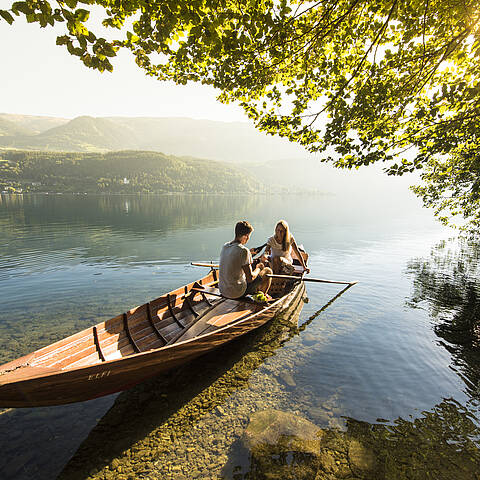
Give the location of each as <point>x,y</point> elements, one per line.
<point>396,355</point>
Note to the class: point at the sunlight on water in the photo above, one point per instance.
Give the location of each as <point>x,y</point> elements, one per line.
<point>393,360</point>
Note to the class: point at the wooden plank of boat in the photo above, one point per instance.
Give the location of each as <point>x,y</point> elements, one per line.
<point>103,359</point>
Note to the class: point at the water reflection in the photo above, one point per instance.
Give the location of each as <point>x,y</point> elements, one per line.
<point>37,442</point>
<point>149,212</point>
<point>68,229</point>
<point>205,421</point>
<point>442,444</point>
<point>447,285</point>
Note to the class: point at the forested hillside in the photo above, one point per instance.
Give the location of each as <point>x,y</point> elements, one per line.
<point>223,141</point>
<point>119,172</point>
<point>8,128</point>
<point>29,124</point>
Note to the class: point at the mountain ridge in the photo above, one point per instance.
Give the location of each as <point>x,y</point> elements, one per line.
<point>223,141</point>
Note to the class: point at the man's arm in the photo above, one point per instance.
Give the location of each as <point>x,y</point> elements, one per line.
<point>252,274</point>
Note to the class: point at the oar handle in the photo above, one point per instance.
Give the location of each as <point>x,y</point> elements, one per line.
<point>306,279</point>
<point>204,264</point>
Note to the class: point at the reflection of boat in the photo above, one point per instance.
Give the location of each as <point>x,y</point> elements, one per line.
<point>143,342</point>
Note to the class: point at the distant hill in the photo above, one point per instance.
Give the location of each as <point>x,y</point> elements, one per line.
<point>83,134</point>
<point>119,172</point>
<point>224,141</point>
<point>8,128</point>
<point>30,124</point>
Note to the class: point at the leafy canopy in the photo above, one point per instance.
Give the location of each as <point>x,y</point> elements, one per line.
<point>396,81</point>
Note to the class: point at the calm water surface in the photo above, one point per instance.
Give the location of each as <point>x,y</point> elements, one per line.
<point>397,354</point>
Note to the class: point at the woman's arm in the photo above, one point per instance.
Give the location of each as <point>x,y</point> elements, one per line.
<point>298,254</point>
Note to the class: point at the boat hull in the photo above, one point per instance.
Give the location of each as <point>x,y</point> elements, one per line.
<point>43,387</point>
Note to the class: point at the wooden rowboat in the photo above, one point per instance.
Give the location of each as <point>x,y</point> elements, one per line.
<point>141,343</point>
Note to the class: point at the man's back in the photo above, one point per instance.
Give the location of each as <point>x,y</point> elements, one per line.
<point>232,282</point>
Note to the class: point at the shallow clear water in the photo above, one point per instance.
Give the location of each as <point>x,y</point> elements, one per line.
<point>398,345</point>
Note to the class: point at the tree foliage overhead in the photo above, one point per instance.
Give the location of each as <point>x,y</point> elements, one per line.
<point>396,81</point>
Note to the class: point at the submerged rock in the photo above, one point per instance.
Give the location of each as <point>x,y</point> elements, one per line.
<point>269,426</point>
<point>361,459</point>
<point>284,446</point>
<point>287,379</point>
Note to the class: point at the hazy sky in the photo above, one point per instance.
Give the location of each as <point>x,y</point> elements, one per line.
<point>38,77</point>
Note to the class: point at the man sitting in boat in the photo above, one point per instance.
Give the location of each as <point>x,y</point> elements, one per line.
<point>237,278</point>
<point>279,250</point>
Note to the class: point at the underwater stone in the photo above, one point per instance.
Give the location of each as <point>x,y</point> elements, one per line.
<point>287,379</point>
<point>361,459</point>
<point>320,414</point>
<point>268,426</point>
<point>327,461</point>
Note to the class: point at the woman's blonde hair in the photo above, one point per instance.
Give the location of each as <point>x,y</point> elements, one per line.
<point>287,238</point>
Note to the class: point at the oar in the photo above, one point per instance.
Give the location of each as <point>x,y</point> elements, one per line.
<point>284,277</point>
<point>306,279</point>
<point>256,250</point>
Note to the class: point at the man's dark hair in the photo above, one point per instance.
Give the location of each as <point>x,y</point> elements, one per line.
<point>243,228</point>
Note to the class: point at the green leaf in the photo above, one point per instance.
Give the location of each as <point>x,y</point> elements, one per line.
<point>108,50</point>
<point>70,3</point>
<point>62,40</point>
<point>22,7</point>
<point>82,14</point>
<point>6,16</point>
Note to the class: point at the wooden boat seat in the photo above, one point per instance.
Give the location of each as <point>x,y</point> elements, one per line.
<point>298,269</point>
<point>216,292</point>
<point>210,290</point>
<point>222,313</point>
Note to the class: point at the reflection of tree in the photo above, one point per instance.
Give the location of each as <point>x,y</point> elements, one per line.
<point>447,283</point>
<point>104,226</point>
<point>137,213</point>
<point>442,445</point>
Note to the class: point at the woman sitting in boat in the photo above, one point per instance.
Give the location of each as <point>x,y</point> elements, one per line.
<point>279,250</point>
